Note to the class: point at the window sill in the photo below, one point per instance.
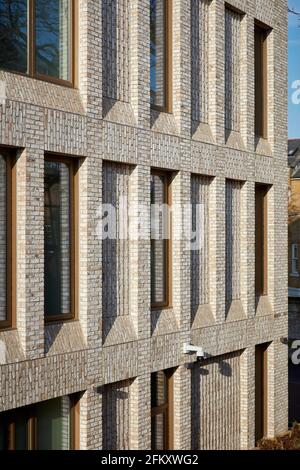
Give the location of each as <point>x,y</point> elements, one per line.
<point>163,122</point>
<point>11,350</point>
<point>202,132</point>
<point>37,92</point>
<point>234,140</point>
<point>263,147</point>
<point>163,321</point>
<point>119,112</point>
<point>42,78</point>
<point>294,275</point>
<point>64,337</point>
<point>263,306</point>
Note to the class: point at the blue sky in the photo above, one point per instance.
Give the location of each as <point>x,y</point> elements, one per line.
<point>294,68</point>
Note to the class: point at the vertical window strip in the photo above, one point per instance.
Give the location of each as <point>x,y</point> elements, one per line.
<point>261,240</point>
<point>7,239</point>
<point>60,239</point>
<point>3,239</point>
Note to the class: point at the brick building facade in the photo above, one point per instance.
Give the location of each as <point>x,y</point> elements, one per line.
<point>107,354</point>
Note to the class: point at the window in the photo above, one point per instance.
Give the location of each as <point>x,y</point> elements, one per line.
<point>160,240</point>
<point>261,391</point>
<point>261,81</point>
<point>162,410</point>
<point>60,238</point>
<point>37,38</point>
<point>7,239</point>
<point>160,54</point>
<point>51,425</point>
<point>295,271</point>
<point>261,240</point>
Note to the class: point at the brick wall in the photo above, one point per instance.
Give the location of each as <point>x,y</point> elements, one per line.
<point>42,363</point>
<point>216,404</point>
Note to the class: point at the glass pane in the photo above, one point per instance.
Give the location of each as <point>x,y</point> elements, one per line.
<point>13,35</point>
<point>53,424</point>
<point>21,420</point>
<point>14,436</point>
<point>3,312</point>
<point>53,38</point>
<point>159,234</point>
<point>57,239</point>
<point>158,432</point>
<point>158,389</point>
<point>157,52</point>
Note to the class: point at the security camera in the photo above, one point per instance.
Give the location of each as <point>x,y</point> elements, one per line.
<point>190,349</point>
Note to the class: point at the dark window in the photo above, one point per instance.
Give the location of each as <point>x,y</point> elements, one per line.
<point>162,410</point>
<point>261,391</point>
<point>37,38</point>
<point>261,81</point>
<point>160,240</point>
<point>160,53</point>
<point>51,425</point>
<point>7,239</point>
<point>53,38</point>
<point>13,35</point>
<point>261,240</point>
<point>60,239</point>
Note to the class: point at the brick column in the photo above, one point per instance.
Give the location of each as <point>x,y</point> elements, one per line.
<point>247,81</point>
<point>140,409</point>
<point>90,56</point>
<point>181,53</point>
<point>217,255</point>
<point>247,368</point>
<point>277,387</point>
<point>180,251</point>
<point>90,260</point>
<point>182,408</point>
<point>30,240</point>
<point>140,250</point>
<point>140,61</point>
<point>216,76</point>
<point>248,248</point>
<point>91,420</point>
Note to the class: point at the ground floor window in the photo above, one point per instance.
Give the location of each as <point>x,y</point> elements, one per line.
<point>51,425</point>
<point>162,410</point>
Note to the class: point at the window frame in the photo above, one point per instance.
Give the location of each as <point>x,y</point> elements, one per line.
<point>295,259</point>
<point>10,221</point>
<point>73,165</point>
<point>261,88</point>
<point>166,409</point>
<point>31,72</point>
<point>261,240</point>
<point>168,62</point>
<point>32,425</point>
<point>167,302</point>
<point>261,390</point>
